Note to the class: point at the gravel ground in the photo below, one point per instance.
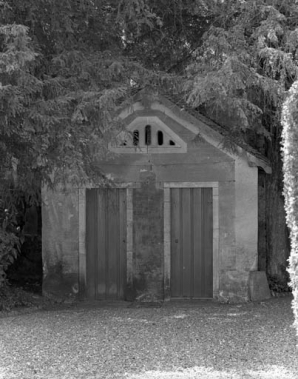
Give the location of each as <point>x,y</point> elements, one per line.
<point>178,340</point>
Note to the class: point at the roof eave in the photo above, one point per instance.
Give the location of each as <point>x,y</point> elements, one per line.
<point>256,162</point>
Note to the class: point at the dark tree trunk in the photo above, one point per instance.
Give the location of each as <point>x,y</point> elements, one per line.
<point>262,230</point>
<point>277,236</point>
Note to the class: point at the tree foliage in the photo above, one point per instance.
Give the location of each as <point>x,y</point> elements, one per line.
<point>290,169</point>
<point>67,66</point>
<point>64,73</point>
<point>62,89</point>
<point>165,41</point>
<point>247,60</point>
<point>239,77</point>
<point>59,88</point>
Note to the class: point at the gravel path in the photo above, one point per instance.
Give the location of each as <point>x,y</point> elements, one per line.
<point>178,340</point>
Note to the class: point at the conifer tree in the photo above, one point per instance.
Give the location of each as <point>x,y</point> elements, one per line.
<point>239,77</point>
<point>64,74</point>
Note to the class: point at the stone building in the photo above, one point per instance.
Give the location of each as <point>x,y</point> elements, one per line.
<point>180,219</point>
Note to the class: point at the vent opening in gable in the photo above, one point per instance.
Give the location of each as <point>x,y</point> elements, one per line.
<point>160,138</point>
<point>148,135</point>
<point>136,137</point>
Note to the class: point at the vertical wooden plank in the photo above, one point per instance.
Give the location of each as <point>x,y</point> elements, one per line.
<point>176,271</point>
<point>122,243</point>
<point>215,255</point>
<point>203,270</point>
<point>180,239</point>
<point>210,239</point>
<point>101,243</point>
<point>112,247</point>
<point>106,242</point>
<point>91,242</point>
<point>186,249</point>
<point>191,230</point>
<point>82,243</point>
<point>207,234</point>
<point>197,241</point>
<point>192,237</point>
<point>167,244</point>
<point>129,236</point>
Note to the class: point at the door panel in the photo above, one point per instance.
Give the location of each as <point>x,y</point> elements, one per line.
<point>106,243</point>
<point>176,257</point>
<point>191,243</point>
<point>186,242</point>
<point>91,242</point>
<point>207,240</point>
<point>197,242</point>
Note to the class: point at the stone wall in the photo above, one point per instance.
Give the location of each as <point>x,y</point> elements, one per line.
<point>148,237</point>
<point>60,225</point>
<point>244,251</point>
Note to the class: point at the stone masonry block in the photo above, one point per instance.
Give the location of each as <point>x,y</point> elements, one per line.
<point>258,286</point>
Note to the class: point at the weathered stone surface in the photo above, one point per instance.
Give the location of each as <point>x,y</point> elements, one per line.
<point>148,236</point>
<point>234,286</point>
<point>246,216</point>
<point>258,286</point>
<point>59,285</point>
<point>60,243</point>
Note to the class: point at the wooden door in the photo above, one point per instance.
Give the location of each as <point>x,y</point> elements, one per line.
<point>106,243</point>
<point>191,243</point>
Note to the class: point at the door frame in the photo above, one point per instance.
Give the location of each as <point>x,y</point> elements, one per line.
<point>167,232</point>
<point>82,259</point>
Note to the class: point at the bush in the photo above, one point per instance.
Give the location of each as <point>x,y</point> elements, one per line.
<point>10,245</point>
<point>276,285</point>
<point>11,298</point>
<point>10,241</point>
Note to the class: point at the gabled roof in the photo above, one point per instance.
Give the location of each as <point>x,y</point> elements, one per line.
<point>199,125</point>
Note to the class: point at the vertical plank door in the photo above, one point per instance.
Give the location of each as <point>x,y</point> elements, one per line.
<point>106,243</point>
<point>191,243</point>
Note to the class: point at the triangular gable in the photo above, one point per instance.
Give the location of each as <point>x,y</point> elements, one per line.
<point>148,135</point>
<point>209,131</point>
